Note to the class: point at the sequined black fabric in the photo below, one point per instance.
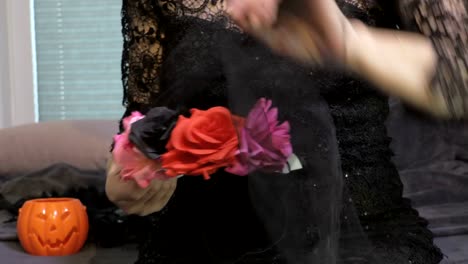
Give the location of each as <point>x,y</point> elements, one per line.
<point>215,221</point>
<point>375,189</point>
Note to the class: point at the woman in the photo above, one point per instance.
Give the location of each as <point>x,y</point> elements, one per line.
<point>189,54</point>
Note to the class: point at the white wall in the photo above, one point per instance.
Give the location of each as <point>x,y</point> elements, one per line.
<point>17,64</point>
<point>5,106</point>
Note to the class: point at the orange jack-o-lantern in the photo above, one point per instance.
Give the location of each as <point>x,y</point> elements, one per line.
<point>52,226</point>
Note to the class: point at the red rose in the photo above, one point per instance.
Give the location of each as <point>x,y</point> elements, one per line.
<point>201,144</point>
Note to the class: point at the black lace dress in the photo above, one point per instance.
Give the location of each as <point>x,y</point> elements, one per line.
<point>174,44</point>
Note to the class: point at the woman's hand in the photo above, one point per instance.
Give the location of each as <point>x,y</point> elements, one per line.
<point>133,199</point>
<point>316,32</point>
<point>310,31</point>
<point>253,14</point>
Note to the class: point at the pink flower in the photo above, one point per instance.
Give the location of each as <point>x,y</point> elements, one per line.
<point>134,165</point>
<point>264,144</point>
<point>129,120</point>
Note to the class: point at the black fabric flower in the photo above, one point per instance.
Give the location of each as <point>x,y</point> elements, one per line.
<point>151,133</point>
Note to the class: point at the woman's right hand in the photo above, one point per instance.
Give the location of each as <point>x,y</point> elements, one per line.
<point>133,199</point>
<point>309,31</point>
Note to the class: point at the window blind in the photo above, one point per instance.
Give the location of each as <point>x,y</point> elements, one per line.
<point>78,49</point>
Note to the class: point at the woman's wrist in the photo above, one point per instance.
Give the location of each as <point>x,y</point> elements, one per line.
<point>355,40</point>
<point>399,63</point>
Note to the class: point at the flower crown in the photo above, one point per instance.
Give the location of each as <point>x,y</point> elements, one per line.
<point>163,144</point>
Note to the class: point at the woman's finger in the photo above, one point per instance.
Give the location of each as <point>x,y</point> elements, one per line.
<point>164,189</point>
<point>131,207</point>
<point>160,197</point>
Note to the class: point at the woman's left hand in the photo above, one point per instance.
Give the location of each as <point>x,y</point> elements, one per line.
<point>133,199</point>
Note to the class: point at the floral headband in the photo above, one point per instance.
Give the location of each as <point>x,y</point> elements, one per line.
<point>164,144</point>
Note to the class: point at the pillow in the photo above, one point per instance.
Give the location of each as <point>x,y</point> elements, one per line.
<point>81,144</point>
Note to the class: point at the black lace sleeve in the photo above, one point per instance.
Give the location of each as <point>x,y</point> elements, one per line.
<point>143,36</point>
<point>445,22</point>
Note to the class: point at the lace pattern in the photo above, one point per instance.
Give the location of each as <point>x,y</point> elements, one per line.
<point>142,52</point>
<point>211,10</point>
<point>144,37</point>
<point>144,40</point>
<point>445,22</point>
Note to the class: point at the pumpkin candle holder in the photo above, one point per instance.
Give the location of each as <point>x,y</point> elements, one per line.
<point>52,226</point>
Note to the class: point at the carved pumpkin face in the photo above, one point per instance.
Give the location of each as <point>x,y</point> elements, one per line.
<point>53,226</point>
